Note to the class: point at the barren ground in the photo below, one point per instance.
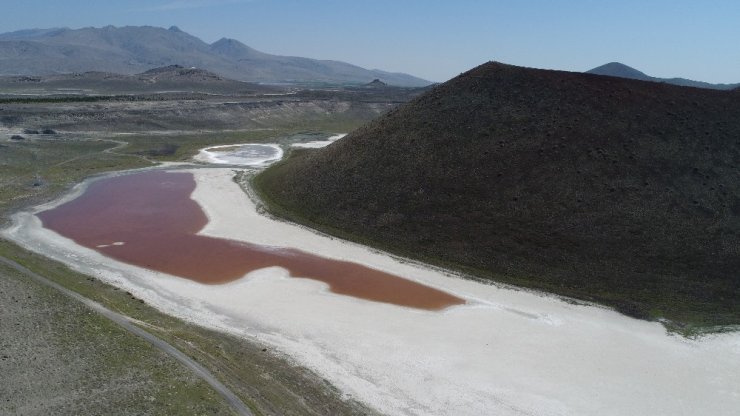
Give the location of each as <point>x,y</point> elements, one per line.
<point>59,358</point>
<point>505,352</point>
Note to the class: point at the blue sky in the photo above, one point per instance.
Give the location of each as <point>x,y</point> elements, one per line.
<point>437,39</point>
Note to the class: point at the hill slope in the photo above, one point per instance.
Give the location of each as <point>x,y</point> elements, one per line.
<point>616,69</point>
<point>614,190</point>
<point>134,49</point>
<point>172,78</point>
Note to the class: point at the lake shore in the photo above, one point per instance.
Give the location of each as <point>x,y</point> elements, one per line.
<point>505,352</point>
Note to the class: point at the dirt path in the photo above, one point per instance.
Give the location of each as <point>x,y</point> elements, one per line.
<point>111,150</point>
<point>120,145</point>
<point>127,324</point>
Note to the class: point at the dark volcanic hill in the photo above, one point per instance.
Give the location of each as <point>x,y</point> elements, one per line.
<point>135,49</point>
<point>608,189</point>
<point>616,69</point>
<point>376,83</point>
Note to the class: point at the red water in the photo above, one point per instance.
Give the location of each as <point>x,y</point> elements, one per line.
<point>152,214</point>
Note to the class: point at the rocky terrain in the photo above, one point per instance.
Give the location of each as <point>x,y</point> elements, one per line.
<point>176,115</point>
<point>604,189</point>
<point>194,112</point>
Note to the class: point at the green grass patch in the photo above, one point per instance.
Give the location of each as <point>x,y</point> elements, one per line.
<point>33,170</point>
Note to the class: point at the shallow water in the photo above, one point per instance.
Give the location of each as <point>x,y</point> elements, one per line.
<point>148,219</point>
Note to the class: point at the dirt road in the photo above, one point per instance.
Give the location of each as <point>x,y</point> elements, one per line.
<point>127,324</point>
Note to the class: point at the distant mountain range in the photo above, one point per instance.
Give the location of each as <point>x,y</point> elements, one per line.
<point>136,49</point>
<point>616,69</point>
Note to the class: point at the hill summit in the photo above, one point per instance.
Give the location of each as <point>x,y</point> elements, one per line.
<point>376,83</point>
<point>179,72</point>
<point>606,189</point>
<point>616,69</point>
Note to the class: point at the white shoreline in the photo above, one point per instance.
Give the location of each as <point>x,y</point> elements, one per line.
<point>507,352</point>
<point>317,144</point>
<point>207,155</point>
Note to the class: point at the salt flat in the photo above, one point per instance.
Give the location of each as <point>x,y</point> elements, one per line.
<point>248,154</point>
<point>506,352</point>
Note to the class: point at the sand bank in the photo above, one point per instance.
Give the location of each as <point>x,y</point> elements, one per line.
<point>505,352</point>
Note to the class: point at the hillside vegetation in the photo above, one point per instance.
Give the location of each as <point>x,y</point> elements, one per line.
<point>604,189</point>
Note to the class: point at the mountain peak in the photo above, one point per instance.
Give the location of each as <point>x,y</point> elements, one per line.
<point>225,41</point>
<point>618,69</point>
<point>229,43</point>
<point>234,49</point>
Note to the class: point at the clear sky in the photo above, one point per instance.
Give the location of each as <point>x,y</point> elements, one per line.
<point>437,39</point>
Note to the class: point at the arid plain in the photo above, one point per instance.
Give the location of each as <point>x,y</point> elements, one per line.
<point>504,349</point>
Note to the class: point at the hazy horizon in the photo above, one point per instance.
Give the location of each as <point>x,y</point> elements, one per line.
<point>437,40</point>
